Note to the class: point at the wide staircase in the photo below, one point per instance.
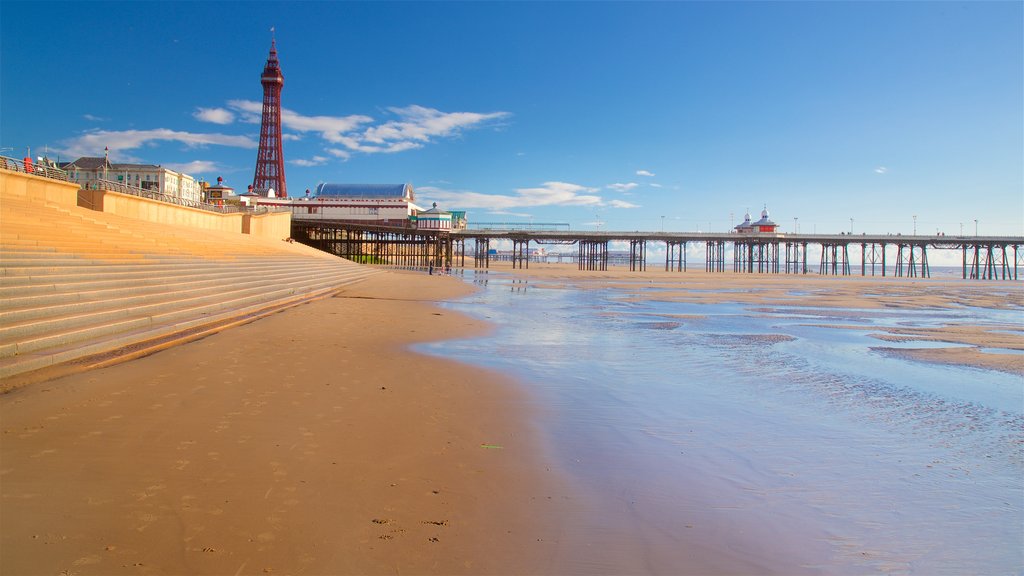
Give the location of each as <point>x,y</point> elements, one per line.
<point>80,288</point>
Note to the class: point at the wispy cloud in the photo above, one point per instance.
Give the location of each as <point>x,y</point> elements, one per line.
<point>623,187</point>
<point>508,213</point>
<point>314,161</point>
<point>330,128</point>
<point>412,127</point>
<point>645,173</point>
<point>881,170</point>
<point>418,124</point>
<point>547,194</point>
<point>92,118</point>
<point>196,167</point>
<point>214,115</point>
<point>120,142</point>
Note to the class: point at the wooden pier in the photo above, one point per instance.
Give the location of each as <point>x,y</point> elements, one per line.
<point>982,257</point>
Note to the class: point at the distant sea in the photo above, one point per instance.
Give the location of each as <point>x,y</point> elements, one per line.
<point>757,438</point>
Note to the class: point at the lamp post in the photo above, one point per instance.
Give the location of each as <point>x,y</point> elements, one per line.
<point>796,225</point>
<point>915,224</point>
<point>662,223</point>
<point>851,226</point>
<point>975,226</point>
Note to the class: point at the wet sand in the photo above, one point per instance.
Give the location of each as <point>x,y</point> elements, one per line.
<point>308,442</point>
<point>313,441</point>
<point>830,292</point>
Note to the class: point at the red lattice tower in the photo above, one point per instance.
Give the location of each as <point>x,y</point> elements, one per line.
<point>270,160</point>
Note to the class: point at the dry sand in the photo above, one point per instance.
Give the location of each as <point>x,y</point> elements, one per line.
<point>838,295</point>
<point>308,442</point>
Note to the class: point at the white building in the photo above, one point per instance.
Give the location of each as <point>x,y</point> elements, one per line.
<point>152,177</point>
<point>385,204</point>
<point>434,219</point>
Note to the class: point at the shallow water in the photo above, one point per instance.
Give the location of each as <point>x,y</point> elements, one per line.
<point>743,439</point>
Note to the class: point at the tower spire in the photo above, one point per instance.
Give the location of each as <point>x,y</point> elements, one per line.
<point>270,158</point>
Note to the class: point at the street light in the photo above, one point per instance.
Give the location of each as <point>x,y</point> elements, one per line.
<point>796,225</point>
<point>851,226</point>
<point>662,223</point>
<point>975,226</point>
<point>915,224</point>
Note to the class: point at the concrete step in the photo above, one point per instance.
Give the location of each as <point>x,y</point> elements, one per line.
<point>37,335</point>
<point>21,278</point>
<point>75,283</point>
<point>26,308</point>
<point>86,280</point>
<point>51,294</point>
<point>155,333</point>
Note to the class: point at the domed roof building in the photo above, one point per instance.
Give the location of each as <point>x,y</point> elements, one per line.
<point>764,225</point>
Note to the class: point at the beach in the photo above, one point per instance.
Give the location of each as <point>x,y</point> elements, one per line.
<point>769,424</point>
<point>377,433</point>
<point>311,441</point>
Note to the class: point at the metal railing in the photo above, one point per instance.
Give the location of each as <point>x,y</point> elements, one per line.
<point>111,186</point>
<point>47,171</point>
<point>36,169</point>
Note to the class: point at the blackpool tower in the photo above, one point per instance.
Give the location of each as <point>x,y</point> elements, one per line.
<point>270,159</point>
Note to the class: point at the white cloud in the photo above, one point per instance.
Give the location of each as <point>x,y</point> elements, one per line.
<point>644,173</point>
<point>560,194</point>
<point>214,115</point>
<point>119,141</point>
<point>655,185</point>
<point>508,213</point>
<point>314,161</point>
<point>343,154</point>
<point>330,128</point>
<point>623,187</point>
<point>414,127</point>
<point>195,167</point>
<point>93,118</point>
<point>548,194</point>
<point>881,170</point>
<point>420,124</point>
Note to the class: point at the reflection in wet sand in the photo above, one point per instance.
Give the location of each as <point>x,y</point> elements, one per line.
<point>746,432</point>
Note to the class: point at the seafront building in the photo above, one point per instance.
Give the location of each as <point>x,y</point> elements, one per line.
<point>433,219</point>
<point>88,170</point>
<point>764,225</point>
<point>217,193</point>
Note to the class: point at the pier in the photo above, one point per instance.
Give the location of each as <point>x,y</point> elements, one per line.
<point>982,257</point>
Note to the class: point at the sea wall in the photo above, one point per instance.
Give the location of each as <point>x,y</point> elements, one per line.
<point>270,225</point>
<point>275,225</point>
<point>155,211</point>
<point>20,184</point>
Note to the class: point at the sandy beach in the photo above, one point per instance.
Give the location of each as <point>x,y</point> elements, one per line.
<point>309,442</point>
<point>314,441</point>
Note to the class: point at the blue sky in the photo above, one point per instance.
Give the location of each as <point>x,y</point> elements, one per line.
<point>592,113</point>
